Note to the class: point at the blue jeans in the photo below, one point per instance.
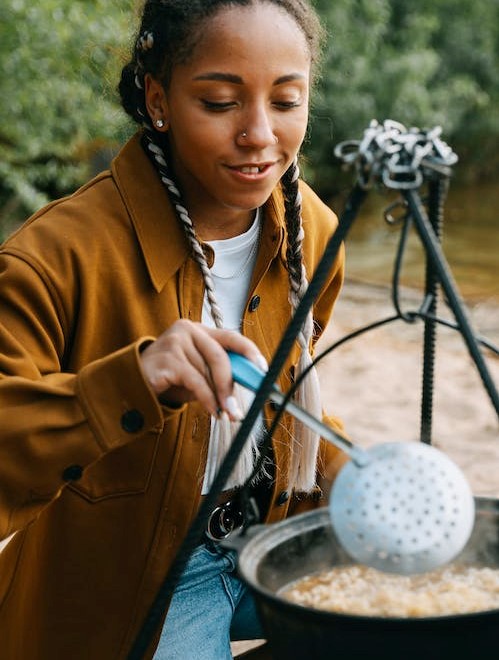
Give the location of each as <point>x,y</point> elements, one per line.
<point>210,607</point>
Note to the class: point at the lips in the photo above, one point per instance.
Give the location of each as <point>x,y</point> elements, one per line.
<point>251,169</point>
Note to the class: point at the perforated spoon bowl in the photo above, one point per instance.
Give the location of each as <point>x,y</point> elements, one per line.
<point>400,507</point>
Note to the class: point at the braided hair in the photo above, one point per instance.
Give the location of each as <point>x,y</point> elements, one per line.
<point>167,36</point>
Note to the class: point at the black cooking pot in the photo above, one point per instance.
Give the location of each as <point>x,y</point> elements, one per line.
<point>275,555</point>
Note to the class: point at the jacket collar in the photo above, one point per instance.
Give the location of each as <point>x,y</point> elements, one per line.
<point>158,230</point>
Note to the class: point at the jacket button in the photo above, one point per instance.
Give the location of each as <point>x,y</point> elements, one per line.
<point>254,303</point>
<point>132,421</point>
<point>282,498</point>
<point>72,473</point>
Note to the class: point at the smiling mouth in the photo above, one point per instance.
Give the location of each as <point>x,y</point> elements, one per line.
<point>251,169</point>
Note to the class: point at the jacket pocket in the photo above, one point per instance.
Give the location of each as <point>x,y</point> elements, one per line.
<point>124,471</point>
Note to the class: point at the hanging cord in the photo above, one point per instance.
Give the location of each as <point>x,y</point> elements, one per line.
<point>196,531</point>
<point>410,316</point>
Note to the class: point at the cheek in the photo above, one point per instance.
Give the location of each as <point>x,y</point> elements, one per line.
<point>293,127</point>
<point>291,136</point>
<point>192,143</point>
<point>202,136</point>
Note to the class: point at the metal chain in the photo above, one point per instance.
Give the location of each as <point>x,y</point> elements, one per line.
<point>399,157</point>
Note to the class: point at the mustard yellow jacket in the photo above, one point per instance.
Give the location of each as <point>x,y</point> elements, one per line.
<point>99,481</point>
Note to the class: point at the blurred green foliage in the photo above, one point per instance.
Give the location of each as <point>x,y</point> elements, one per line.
<point>425,63</point>
<point>60,61</point>
<point>434,62</point>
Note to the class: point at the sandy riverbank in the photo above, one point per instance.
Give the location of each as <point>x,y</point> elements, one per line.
<point>374,381</point>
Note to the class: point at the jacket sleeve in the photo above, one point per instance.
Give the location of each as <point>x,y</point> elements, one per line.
<point>53,423</point>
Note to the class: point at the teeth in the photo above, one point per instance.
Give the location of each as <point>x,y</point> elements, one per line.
<point>250,170</point>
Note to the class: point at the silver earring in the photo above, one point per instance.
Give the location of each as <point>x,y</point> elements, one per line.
<point>244,135</point>
<point>159,123</point>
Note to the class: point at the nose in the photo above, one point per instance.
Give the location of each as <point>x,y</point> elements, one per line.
<point>258,130</point>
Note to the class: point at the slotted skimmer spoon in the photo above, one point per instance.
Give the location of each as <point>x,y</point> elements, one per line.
<point>400,507</point>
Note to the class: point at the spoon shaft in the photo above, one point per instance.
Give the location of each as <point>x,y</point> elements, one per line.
<point>250,376</point>
<point>358,455</point>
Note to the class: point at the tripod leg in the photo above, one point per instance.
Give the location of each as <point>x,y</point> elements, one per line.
<point>436,256</point>
<point>437,189</point>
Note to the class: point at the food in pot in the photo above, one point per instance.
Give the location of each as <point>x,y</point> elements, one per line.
<point>365,591</point>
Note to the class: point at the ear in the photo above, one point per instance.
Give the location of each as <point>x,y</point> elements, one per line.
<point>156,103</point>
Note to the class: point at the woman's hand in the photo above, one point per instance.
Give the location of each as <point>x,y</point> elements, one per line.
<point>189,362</point>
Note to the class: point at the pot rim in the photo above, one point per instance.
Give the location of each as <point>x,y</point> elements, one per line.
<point>267,537</point>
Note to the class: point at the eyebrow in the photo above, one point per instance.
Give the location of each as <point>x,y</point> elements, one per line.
<point>237,80</point>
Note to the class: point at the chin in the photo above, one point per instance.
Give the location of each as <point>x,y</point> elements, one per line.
<point>248,202</point>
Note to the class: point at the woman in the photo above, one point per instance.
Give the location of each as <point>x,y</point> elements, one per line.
<point>118,305</point>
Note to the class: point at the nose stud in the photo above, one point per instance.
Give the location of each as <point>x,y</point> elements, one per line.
<point>244,135</point>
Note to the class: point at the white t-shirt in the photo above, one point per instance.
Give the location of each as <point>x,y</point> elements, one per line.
<point>231,272</point>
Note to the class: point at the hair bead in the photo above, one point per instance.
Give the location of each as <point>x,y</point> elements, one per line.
<point>145,41</point>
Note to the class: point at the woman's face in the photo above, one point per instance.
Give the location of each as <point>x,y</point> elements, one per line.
<point>236,114</point>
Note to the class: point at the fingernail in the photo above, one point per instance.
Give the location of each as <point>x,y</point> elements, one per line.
<point>232,407</point>
<point>262,362</point>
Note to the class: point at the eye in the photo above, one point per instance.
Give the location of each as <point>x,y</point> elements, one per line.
<point>217,106</point>
<point>288,105</point>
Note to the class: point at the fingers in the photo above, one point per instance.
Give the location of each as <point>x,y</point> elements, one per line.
<point>189,362</point>
<point>220,367</point>
<point>176,369</point>
<point>237,343</point>
<point>213,344</point>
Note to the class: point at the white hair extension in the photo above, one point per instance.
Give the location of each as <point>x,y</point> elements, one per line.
<point>223,430</point>
<point>305,446</point>
<point>306,443</point>
<point>144,43</point>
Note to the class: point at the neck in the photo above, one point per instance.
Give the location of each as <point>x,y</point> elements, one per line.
<point>217,228</point>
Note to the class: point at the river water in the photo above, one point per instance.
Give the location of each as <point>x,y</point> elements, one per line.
<point>470,241</point>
